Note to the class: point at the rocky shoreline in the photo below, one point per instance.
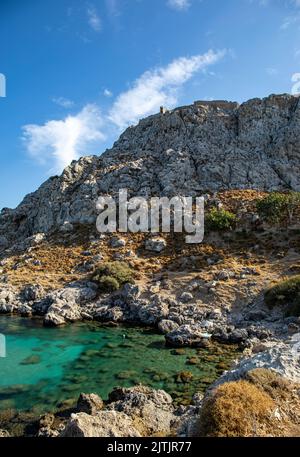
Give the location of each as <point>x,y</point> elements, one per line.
<point>181,323</point>
<point>142,411</point>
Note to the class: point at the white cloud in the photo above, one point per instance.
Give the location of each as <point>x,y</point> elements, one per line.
<point>58,142</point>
<point>94,19</point>
<point>107,93</point>
<point>64,140</point>
<point>179,4</point>
<point>63,102</point>
<point>158,87</point>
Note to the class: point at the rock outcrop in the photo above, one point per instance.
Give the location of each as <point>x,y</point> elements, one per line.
<point>205,146</point>
<point>283,358</point>
<point>134,412</point>
<point>103,424</point>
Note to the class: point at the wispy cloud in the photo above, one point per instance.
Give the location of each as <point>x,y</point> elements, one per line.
<point>58,142</point>
<point>61,141</point>
<point>63,102</point>
<point>158,87</point>
<point>107,93</point>
<point>289,21</point>
<point>179,4</point>
<point>94,19</point>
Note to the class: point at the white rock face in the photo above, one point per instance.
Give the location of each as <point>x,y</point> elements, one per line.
<point>282,358</point>
<point>105,424</point>
<point>136,411</point>
<point>205,146</point>
<point>152,410</point>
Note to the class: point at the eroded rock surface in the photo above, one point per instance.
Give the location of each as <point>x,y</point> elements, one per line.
<point>207,145</point>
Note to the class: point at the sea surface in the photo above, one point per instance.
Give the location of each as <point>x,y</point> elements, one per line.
<point>45,367</point>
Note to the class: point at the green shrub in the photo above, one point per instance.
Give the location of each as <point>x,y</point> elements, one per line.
<point>276,207</point>
<point>220,220</point>
<point>112,275</point>
<point>108,284</point>
<point>287,293</point>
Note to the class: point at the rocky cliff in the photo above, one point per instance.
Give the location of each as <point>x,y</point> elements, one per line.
<point>207,146</point>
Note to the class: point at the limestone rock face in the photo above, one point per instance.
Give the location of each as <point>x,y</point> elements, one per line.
<point>63,305</point>
<point>205,146</point>
<point>187,335</point>
<point>105,424</point>
<point>284,358</point>
<point>152,410</point>
<point>89,404</point>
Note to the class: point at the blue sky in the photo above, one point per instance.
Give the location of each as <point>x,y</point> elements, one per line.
<point>79,72</point>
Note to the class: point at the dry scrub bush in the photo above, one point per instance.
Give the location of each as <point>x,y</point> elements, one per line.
<point>235,409</point>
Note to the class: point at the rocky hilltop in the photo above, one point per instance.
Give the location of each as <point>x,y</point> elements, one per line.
<point>207,146</point>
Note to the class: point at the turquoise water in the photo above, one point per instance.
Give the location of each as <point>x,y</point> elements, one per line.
<point>45,367</point>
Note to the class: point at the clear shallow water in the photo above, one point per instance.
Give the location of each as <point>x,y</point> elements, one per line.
<point>47,366</point>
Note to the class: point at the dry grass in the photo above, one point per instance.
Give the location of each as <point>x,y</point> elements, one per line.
<point>263,404</point>
<point>236,409</point>
<point>179,262</point>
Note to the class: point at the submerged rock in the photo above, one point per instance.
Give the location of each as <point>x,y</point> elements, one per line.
<point>31,360</point>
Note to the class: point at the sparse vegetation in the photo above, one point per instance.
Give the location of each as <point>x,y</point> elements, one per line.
<point>220,220</point>
<point>277,207</point>
<point>112,275</point>
<point>235,409</point>
<point>108,284</point>
<point>271,382</point>
<point>285,293</point>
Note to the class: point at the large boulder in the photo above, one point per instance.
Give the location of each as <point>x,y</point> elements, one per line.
<point>187,335</point>
<point>64,305</point>
<point>282,358</point>
<point>104,424</point>
<point>89,403</point>
<point>155,244</point>
<point>152,410</point>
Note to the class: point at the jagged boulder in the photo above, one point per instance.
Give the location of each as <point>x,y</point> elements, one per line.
<point>282,358</point>
<point>89,404</point>
<point>106,424</point>
<point>152,410</point>
<point>187,335</point>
